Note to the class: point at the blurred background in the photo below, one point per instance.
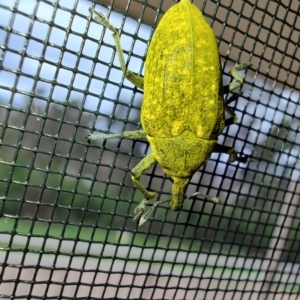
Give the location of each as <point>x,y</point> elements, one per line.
<point>66,207</point>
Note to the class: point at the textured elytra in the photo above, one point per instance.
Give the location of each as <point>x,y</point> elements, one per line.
<point>182,77</point>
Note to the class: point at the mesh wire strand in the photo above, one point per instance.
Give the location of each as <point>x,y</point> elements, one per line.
<point>66,207</point>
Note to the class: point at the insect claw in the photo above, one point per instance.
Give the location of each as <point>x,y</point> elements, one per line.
<point>102,20</point>
<point>137,216</point>
<point>140,209</point>
<point>145,216</point>
<point>243,66</point>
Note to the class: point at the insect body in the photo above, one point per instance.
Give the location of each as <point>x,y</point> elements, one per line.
<point>183,110</point>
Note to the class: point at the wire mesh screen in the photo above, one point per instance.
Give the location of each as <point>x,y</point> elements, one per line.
<point>66,206</point>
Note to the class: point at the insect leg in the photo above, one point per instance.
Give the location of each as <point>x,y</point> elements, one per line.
<point>144,217</point>
<point>235,74</point>
<point>137,171</point>
<point>233,118</point>
<point>132,135</point>
<point>234,156</point>
<point>149,212</point>
<point>232,86</point>
<point>102,20</point>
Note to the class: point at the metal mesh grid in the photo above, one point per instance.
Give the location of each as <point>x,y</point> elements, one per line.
<point>66,207</point>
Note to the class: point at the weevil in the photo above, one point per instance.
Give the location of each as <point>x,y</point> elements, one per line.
<point>183,110</point>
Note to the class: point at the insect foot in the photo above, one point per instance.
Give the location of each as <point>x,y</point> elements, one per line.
<point>235,74</point>
<point>143,217</point>
<point>101,19</point>
<point>139,210</point>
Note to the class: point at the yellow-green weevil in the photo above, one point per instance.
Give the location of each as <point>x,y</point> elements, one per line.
<point>183,110</point>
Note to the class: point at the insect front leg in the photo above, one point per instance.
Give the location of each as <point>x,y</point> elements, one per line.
<point>102,20</point>
<point>137,171</point>
<point>131,135</point>
<point>144,217</point>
